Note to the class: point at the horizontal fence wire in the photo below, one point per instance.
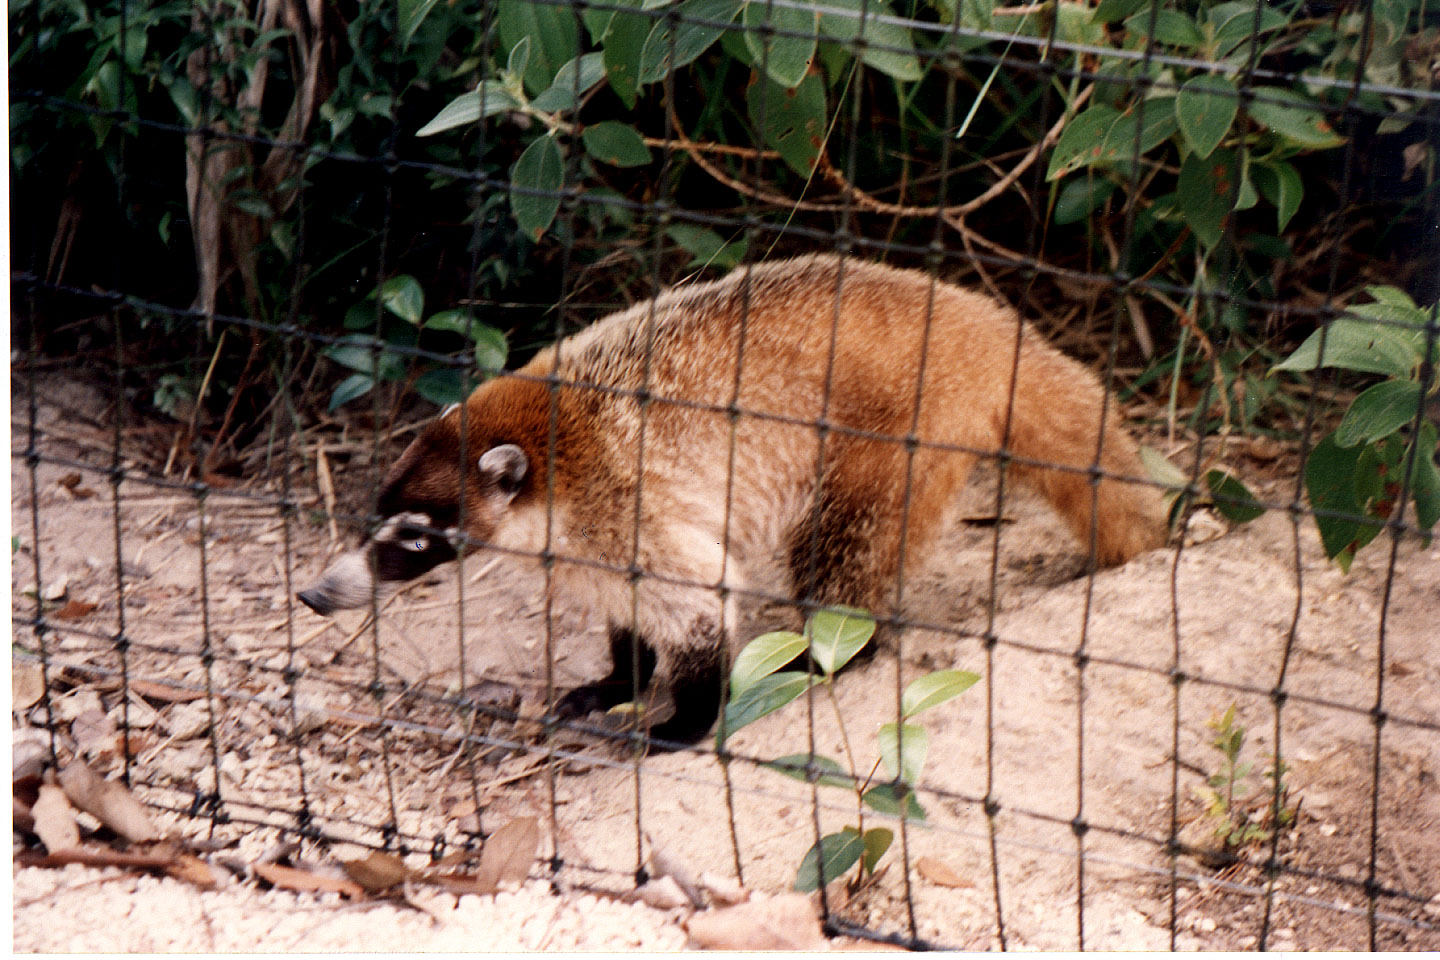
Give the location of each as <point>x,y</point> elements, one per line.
<point>295,698</point>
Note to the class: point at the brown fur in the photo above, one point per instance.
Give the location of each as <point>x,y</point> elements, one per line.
<point>768,340</point>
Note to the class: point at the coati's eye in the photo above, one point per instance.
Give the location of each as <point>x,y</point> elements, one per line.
<point>415,543</point>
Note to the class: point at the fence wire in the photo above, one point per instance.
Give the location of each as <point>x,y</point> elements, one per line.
<point>1070,64</point>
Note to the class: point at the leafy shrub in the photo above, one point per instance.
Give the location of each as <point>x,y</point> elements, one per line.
<point>1385,444</point>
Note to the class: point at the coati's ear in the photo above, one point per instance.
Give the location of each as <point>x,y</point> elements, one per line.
<point>505,466</point>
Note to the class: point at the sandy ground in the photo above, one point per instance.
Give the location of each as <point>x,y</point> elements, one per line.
<point>360,755</point>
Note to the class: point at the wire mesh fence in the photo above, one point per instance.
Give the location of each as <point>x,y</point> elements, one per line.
<point>1176,193</point>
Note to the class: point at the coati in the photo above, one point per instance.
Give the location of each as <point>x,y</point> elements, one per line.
<point>643,407</point>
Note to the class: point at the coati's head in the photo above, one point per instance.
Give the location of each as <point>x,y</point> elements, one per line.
<point>420,511</point>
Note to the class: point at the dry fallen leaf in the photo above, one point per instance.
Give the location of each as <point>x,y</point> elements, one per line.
<point>108,801</point>
<point>376,872</point>
<point>95,733</point>
<point>289,878</point>
<point>786,922</point>
<point>74,610</point>
<point>509,852</point>
<point>27,684</point>
<point>193,870</point>
<point>71,483</point>
<point>938,872</point>
<point>164,692</point>
<point>666,864</point>
<point>55,819</point>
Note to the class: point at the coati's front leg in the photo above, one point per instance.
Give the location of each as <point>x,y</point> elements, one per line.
<point>628,653</point>
<point>694,678</point>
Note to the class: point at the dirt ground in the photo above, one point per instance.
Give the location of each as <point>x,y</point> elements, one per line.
<point>360,755</point>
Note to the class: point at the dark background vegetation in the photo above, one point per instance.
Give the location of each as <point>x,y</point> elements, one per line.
<point>208,180</point>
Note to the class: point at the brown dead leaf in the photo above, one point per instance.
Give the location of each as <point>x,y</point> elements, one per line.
<point>786,922</point>
<point>95,733</point>
<point>55,819</point>
<point>74,610</point>
<point>71,483</point>
<point>21,817</point>
<point>102,857</point>
<point>109,801</point>
<point>939,873</point>
<point>194,871</point>
<point>378,871</point>
<point>463,883</point>
<point>454,859</point>
<point>164,692</point>
<point>303,881</point>
<point>509,852</point>
<point>27,684</point>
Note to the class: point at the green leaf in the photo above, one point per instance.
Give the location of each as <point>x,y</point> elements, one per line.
<point>1330,474</point>
<point>1232,498</point>
<point>829,858</point>
<point>1081,141</point>
<point>441,386</point>
<point>762,657</point>
<point>1160,124</point>
<point>763,697</point>
<point>886,798</point>
<point>1205,108</point>
<point>877,841</point>
<point>660,55</point>
<point>837,635</point>
<point>706,247</point>
<point>450,321</point>
<point>796,767</point>
<point>412,13</point>
<point>789,56</point>
<point>883,39</point>
<point>1425,482</point>
<point>1295,117</point>
<point>1081,197</point>
<point>491,348</point>
<point>623,42</point>
<point>1172,27</point>
<point>541,168</point>
<point>1233,23</point>
<point>519,57</point>
<point>1397,298</point>
<point>935,688</point>
<point>577,75</point>
<point>1162,470</point>
<point>552,31</point>
<point>616,143</point>
<point>486,100</point>
<point>794,120</point>
<point>1352,344</point>
<point>1205,192</point>
<point>1280,184</point>
<point>358,353</point>
<point>355,385</point>
<point>904,763</point>
<point>1379,412</point>
<point>1111,10</point>
<point>403,297</point>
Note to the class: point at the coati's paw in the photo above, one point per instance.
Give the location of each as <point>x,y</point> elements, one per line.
<point>585,700</point>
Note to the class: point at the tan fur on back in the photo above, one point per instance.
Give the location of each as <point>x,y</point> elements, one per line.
<point>853,345</point>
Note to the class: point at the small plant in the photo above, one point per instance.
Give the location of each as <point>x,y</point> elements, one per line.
<point>1355,474</point>
<point>1238,823</point>
<point>402,324</point>
<point>759,687</point>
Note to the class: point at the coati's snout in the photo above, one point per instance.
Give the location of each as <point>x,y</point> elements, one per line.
<point>415,536</point>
